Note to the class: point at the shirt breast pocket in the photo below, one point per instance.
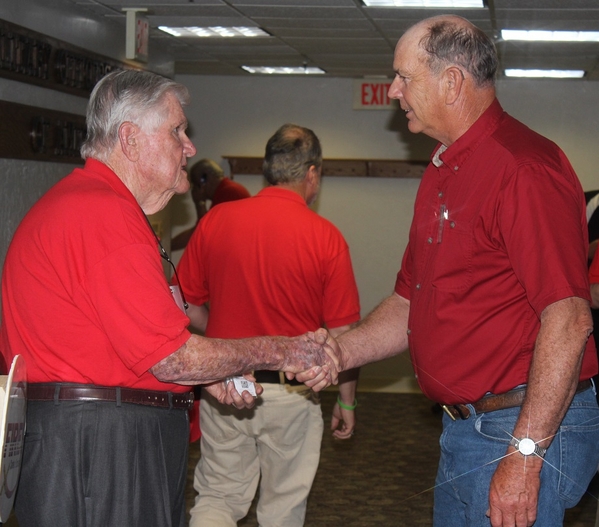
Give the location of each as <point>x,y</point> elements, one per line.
<point>453,264</point>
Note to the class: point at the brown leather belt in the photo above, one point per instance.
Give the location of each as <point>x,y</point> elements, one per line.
<point>57,391</point>
<point>490,403</point>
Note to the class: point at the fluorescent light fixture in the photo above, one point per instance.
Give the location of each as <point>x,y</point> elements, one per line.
<point>550,36</point>
<point>283,70</point>
<point>554,74</point>
<point>214,31</point>
<point>424,3</point>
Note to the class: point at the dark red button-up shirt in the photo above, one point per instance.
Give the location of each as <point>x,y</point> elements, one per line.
<point>499,233</point>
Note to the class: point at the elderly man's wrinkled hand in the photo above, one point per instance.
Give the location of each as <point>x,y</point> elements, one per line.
<point>225,393</point>
<point>326,356</point>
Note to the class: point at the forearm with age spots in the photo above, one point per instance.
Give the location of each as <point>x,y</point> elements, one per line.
<point>201,360</point>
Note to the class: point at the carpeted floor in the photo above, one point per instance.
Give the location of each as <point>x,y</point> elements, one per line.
<point>383,476</point>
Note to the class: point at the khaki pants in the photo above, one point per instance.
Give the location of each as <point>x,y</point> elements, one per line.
<point>277,441</point>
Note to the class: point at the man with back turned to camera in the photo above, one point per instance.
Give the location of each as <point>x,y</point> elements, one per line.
<point>269,265</point>
<point>109,358</point>
<point>492,298</point>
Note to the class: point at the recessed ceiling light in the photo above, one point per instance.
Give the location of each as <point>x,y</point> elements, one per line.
<point>550,36</point>
<point>283,70</point>
<point>424,3</point>
<point>214,31</point>
<point>555,74</point>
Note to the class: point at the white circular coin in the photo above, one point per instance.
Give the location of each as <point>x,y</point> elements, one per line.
<point>526,446</point>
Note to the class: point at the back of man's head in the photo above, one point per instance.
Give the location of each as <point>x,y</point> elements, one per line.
<point>205,170</point>
<point>126,95</point>
<point>289,154</point>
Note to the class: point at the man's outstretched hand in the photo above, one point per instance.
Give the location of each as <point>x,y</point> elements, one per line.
<point>325,372</point>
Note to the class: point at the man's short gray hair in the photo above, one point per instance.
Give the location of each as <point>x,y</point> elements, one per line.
<point>289,154</point>
<point>125,96</point>
<point>450,42</point>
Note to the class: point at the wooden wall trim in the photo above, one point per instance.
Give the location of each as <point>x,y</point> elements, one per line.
<point>385,168</point>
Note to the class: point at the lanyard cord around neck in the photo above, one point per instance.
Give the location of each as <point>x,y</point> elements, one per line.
<point>164,255</point>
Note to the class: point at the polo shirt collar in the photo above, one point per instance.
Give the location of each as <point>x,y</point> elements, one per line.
<point>455,156</point>
<point>278,192</point>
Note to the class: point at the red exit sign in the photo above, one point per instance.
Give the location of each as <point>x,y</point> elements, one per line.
<point>372,94</point>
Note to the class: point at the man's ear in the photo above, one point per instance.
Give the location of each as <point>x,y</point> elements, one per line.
<point>128,139</point>
<point>312,175</point>
<point>454,81</point>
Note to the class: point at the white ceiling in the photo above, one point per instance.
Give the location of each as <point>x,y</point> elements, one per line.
<point>343,37</point>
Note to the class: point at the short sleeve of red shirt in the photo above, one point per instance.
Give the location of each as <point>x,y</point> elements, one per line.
<point>535,236</point>
<point>341,291</point>
<point>135,307</point>
<point>402,283</point>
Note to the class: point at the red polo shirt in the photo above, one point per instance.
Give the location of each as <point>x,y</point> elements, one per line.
<point>228,190</point>
<point>84,296</point>
<point>499,233</point>
<point>269,265</point>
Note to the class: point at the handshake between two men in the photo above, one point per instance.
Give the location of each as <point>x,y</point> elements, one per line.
<point>314,358</point>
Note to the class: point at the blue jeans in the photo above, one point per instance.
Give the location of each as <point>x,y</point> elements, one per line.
<point>471,448</point>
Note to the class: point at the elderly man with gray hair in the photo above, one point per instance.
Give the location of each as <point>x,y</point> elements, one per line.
<point>108,353</point>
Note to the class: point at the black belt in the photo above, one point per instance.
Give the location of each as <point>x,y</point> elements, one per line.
<point>490,403</point>
<point>58,391</point>
<point>273,377</point>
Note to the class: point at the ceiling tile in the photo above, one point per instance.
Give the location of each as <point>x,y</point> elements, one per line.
<point>344,37</point>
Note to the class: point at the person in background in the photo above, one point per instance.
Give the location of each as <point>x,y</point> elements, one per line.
<point>592,199</point>
<point>109,357</point>
<point>492,298</point>
<point>269,265</point>
<point>208,182</point>
<point>594,281</point>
